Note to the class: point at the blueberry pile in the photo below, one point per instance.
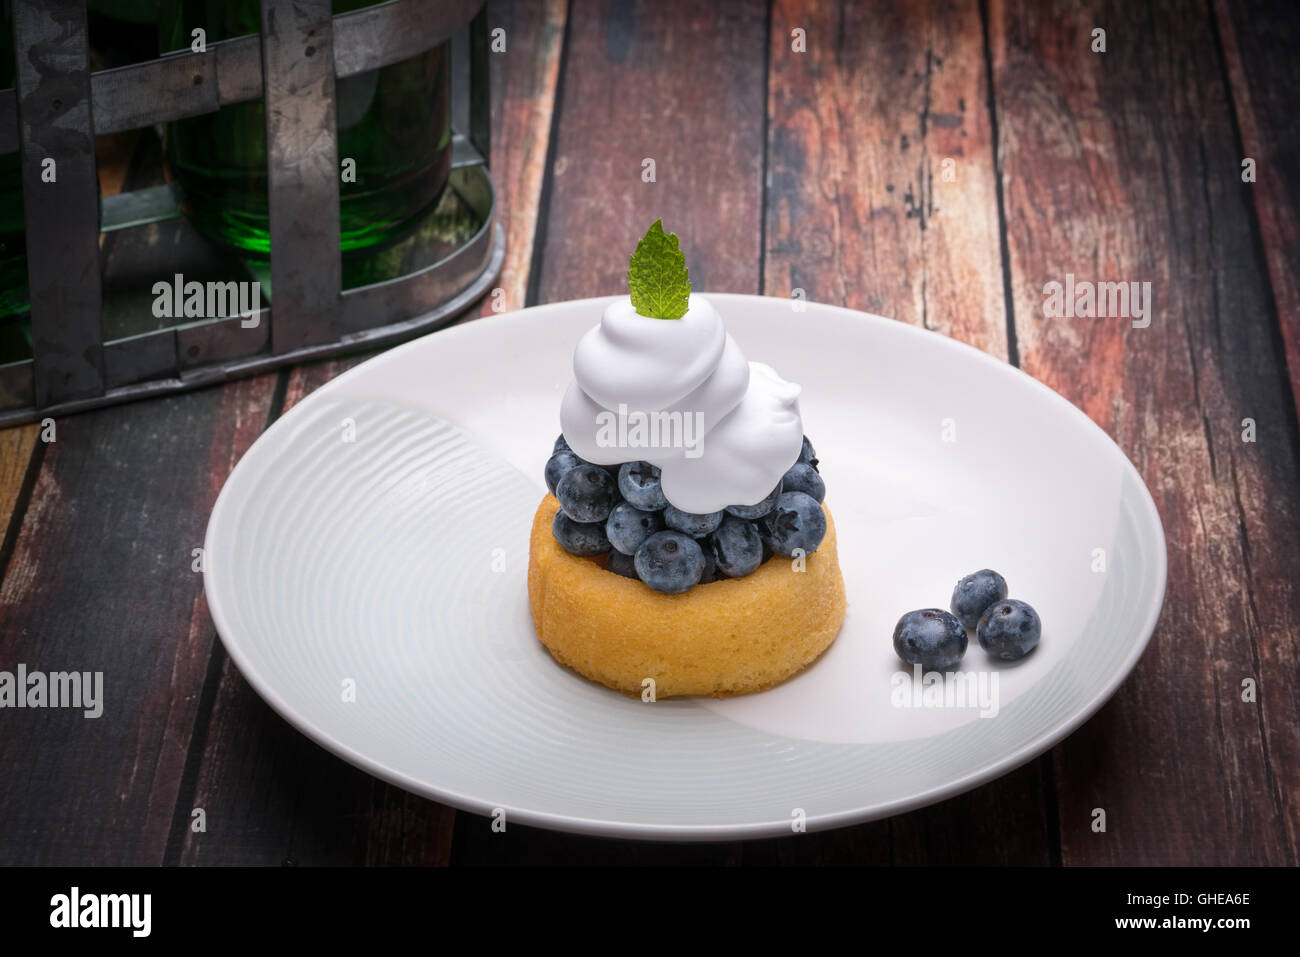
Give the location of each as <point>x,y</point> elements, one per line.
<point>1008,629</point>
<point>620,511</point>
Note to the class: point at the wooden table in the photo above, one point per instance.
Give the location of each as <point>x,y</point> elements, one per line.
<point>823,171</point>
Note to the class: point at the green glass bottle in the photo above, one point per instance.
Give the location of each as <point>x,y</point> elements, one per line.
<point>13,239</point>
<point>394,123</point>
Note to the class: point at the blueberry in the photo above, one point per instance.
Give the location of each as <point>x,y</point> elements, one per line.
<point>931,638</point>
<point>738,547</point>
<point>690,523</point>
<point>620,564</point>
<point>586,493</point>
<point>759,509</point>
<point>561,443</point>
<point>559,463</point>
<point>806,454</point>
<point>974,593</point>
<point>802,477</point>
<point>1009,630</point>
<point>628,526</point>
<point>579,538</point>
<point>639,483</point>
<point>797,522</point>
<point>710,560</point>
<point>670,562</point>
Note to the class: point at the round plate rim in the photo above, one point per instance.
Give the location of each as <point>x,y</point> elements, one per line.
<point>1147,517</point>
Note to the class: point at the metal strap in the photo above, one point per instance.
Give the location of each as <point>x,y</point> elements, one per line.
<point>181,84</point>
<point>60,199</point>
<point>302,171</point>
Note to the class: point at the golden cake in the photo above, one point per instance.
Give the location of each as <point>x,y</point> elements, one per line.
<point>728,637</point>
<point>685,547</point>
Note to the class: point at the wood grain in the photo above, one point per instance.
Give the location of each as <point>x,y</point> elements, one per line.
<point>1123,165</point>
<point>16,448</point>
<point>1259,40</point>
<point>101,579</point>
<point>528,75</point>
<point>863,125</point>
<point>678,83</point>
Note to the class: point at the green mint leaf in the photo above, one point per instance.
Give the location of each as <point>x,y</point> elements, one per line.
<point>657,276</point>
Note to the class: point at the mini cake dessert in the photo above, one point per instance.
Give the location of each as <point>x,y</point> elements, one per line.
<point>684,546</point>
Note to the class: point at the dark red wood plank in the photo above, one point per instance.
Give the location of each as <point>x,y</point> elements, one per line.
<point>886,100</point>
<point>521,136</point>
<point>1124,165</point>
<point>16,447</point>
<point>101,580</point>
<point>678,83</point>
<point>1259,41</point>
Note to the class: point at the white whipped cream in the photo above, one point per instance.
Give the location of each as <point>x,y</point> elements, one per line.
<point>680,395</point>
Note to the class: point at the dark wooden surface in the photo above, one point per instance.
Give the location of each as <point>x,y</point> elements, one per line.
<point>819,171</point>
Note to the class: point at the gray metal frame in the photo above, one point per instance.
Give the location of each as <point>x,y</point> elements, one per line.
<point>58,106</point>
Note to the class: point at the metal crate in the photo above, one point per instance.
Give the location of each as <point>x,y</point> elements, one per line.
<point>58,108</point>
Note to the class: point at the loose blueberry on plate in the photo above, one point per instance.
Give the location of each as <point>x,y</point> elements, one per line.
<point>639,484</point>
<point>738,548</point>
<point>560,443</point>
<point>797,522</point>
<point>628,526</point>
<point>560,462</point>
<point>620,564</point>
<point>759,509</point>
<point>691,523</point>
<point>670,562</point>
<point>931,638</point>
<point>1009,630</point>
<point>586,493</point>
<point>584,539</point>
<point>802,477</point>
<point>975,593</point>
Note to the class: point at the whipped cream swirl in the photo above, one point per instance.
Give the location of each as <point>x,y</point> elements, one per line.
<point>680,395</point>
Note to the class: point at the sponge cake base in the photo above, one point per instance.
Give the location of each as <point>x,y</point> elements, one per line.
<point>729,637</point>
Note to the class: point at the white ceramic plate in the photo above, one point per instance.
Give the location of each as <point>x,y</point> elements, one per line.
<point>366,570</point>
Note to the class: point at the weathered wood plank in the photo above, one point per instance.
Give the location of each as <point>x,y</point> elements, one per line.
<point>101,580</point>
<point>270,794</point>
<point>1123,165</point>
<point>16,448</point>
<point>888,99</point>
<point>679,84</point>
<point>1259,41</point>
<point>521,134</point>
<point>884,100</point>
